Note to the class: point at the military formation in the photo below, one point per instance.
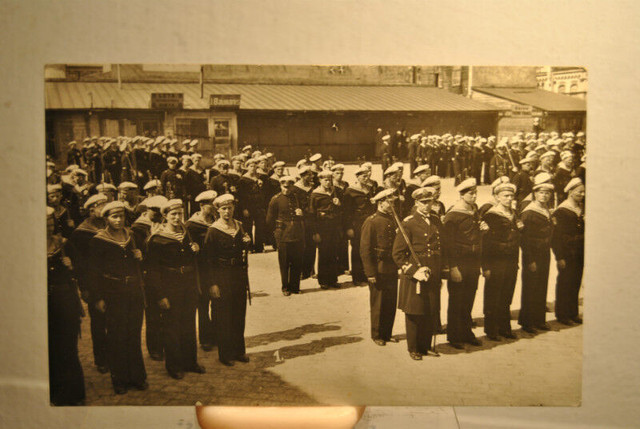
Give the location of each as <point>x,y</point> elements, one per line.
<point>140,230</point>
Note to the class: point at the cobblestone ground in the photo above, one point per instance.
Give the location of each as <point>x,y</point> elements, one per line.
<point>315,348</point>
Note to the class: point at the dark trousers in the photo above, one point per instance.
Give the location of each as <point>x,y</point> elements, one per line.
<point>357,269</point>
<point>328,258</point>
<point>419,332</point>
<point>383,299</point>
<point>309,256</point>
<point>434,293</point>
<point>66,379</point>
<point>290,258</point>
<point>98,335</point>
<point>533,301</point>
<point>259,236</point>
<point>567,288</point>
<point>498,294</point>
<point>179,329</point>
<point>229,313</point>
<point>124,322</point>
<point>461,297</point>
<point>343,254</point>
<point>153,332</point>
<point>206,330</point>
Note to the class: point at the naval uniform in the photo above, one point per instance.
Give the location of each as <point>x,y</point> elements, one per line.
<point>116,279</point>
<point>251,198</point>
<point>415,297</point>
<point>568,244</point>
<point>500,253</point>
<point>66,379</point>
<point>197,226</point>
<point>462,241</point>
<point>194,184</point>
<point>357,208</point>
<point>80,239</point>
<point>309,258</point>
<point>227,268</point>
<point>326,212</point>
<point>376,245</point>
<point>288,230</point>
<point>560,179</point>
<point>536,247</point>
<point>171,273</point>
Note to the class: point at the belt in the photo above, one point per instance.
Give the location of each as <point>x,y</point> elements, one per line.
<point>471,248</point>
<point>230,262</point>
<point>182,270</point>
<point>125,279</point>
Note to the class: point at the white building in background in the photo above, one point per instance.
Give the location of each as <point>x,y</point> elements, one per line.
<point>564,80</point>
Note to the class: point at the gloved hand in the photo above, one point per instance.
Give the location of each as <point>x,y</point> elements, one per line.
<point>455,275</point>
<point>422,275</point>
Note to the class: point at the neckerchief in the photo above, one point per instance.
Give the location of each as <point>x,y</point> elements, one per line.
<point>534,207</point>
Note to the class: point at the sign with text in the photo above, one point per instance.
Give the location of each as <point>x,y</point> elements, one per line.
<point>224,101</point>
<point>522,110</point>
<point>167,100</point>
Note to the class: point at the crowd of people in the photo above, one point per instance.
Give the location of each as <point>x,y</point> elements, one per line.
<point>139,230</point>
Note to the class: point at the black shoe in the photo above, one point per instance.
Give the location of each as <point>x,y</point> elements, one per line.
<point>324,287</point>
<point>565,322</point>
<point>458,346</point>
<point>577,320</point>
<point>177,375</point>
<point>509,335</point>
<point>544,327</point>
<point>226,362</point>
<point>140,386</point>
<point>156,356</point>
<point>243,358</point>
<point>103,369</point>
<point>475,342</point>
<point>380,342</point>
<point>286,293</point>
<point>120,390</point>
<point>207,347</point>
<point>198,369</point>
<point>493,337</point>
<point>335,286</point>
<point>529,329</point>
<point>415,356</point>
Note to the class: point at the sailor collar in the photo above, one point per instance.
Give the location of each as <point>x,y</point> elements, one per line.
<point>359,188</point>
<point>300,184</point>
<point>197,217</point>
<point>569,206</point>
<point>89,225</point>
<point>496,210</point>
<point>459,207</point>
<point>142,219</point>
<point>197,170</point>
<point>534,207</point>
<point>164,232</point>
<point>321,190</point>
<point>105,236</point>
<point>222,227</point>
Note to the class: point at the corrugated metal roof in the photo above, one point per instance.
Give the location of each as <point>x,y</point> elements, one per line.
<point>541,99</point>
<point>85,95</point>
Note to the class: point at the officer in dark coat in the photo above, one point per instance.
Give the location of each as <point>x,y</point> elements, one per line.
<point>302,190</point>
<point>251,196</point>
<point>80,239</point>
<point>74,156</point>
<point>357,208</point>
<point>194,183</point>
<point>523,181</point>
<point>111,162</point>
<point>64,222</point>
<point>462,239</point>
<point>419,279</point>
<point>172,273</point>
<point>285,217</point>
<point>568,247</point>
<point>172,180</point>
<point>223,182</point>
<point>157,162</point>
<point>117,285</point>
<point>197,225</point>
<point>376,244</point>
<point>326,220</point>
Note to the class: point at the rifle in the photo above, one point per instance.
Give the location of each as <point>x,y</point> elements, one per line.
<point>139,271</point>
<point>195,258</point>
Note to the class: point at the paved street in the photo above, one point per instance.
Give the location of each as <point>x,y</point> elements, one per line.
<point>315,348</point>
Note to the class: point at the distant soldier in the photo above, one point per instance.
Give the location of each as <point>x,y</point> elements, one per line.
<point>564,173</point>
<point>74,156</point>
<point>251,203</point>
<point>194,183</point>
<point>499,165</point>
<point>63,222</point>
<point>523,181</point>
<point>376,245</point>
<point>172,180</point>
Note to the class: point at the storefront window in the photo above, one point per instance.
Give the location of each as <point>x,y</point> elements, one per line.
<point>221,128</point>
<point>192,127</point>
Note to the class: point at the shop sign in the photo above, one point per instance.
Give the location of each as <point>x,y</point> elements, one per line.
<point>224,101</point>
<point>167,100</point>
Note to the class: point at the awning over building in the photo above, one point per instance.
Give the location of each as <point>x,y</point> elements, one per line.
<point>108,95</point>
<point>538,98</point>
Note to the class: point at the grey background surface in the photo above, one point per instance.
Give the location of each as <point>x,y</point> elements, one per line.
<point>601,35</point>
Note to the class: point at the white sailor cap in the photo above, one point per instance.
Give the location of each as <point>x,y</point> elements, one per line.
<point>94,200</point>
<point>367,165</point>
<point>423,194</point>
<point>543,181</point>
<point>466,185</point>
<point>247,147</point>
<point>532,154</point>
<point>550,153</point>
<point>420,169</point>
<point>51,164</point>
<point>325,174</point>
<point>268,155</point>
<point>80,171</point>
<point>566,154</point>
<point>284,179</point>
<point>71,168</point>
<point>107,144</point>
<point>386,137</point>
<point>249,162</point>
<point>361,170</point>
<point>503,143</point>
<point>304,169</point>
<point>54,188</point>
<point>337,167</point>
<point>398,165</point>
<point>256,153</point>
<point>223,200</point>
<point>415,137</point>
<point>573,183</point>
<point>127,185</point>
<point>383,195</point>
<point>502,187</point>
<point>155,203</point>
<point>195,156</point>
<point>222,163</point>
<point>209,195</point>
<point>431,181</point>
<point>111,207</point>
<point>72,142</point>
<point>170,205</point>
<point>300,163</point>
<point>500,180</point>
<point>172,160</point>
<point>541,147</point>
<point>554,142</point>
<point>193,142</point>
<point>106,187</point>
<point>158,140</point>
<point>315,157</point>
<point>526,160</point>
<point>580,134</point>
<point>278,164</point>
<point>154,183</point>
<point>391,170</point>
<point>186,142</point>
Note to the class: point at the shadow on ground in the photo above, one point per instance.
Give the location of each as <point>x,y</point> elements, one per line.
<point>289,334</point>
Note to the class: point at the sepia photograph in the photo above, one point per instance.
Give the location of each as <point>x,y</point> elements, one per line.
<point>289,235</point>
